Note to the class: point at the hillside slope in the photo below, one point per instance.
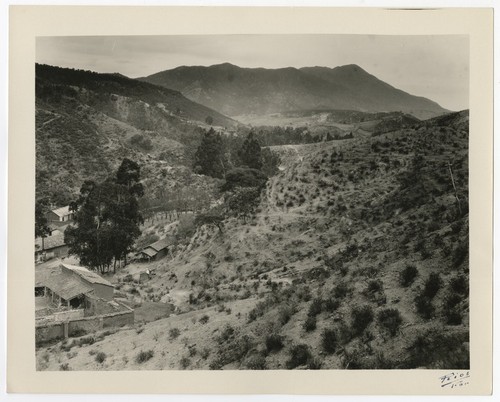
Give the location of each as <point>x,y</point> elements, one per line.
<point>234,91</point>
<point>86,123</point>
<point>357,258</point>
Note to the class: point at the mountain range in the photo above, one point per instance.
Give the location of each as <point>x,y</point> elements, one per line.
<point>236,91</point>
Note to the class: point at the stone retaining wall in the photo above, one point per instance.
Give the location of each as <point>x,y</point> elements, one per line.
<point>45,332</point>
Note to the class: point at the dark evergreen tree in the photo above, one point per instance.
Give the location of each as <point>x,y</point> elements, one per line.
<point>250,153</point>
<point>106,218</point>
<point>129,175</point>
<point>209,158</point>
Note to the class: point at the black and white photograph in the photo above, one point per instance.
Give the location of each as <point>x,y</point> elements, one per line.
<point>252,202</point>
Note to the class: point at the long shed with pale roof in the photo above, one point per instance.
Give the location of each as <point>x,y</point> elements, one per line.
<point>71,285</point>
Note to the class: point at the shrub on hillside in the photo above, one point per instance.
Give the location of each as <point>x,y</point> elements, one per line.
<point>408,275</point>
<point>424,307</point>
<point>374,286</point>
<point>459,254</point>
<point>173,333</point>
<point>204,319</point>
<point>227,333</point>
<point>274,343</point>
<point>331,304</point>
<point>144,356</point>
<point>285,313</point>
<point>432,285</point>
<point>299,356</point>
<point>459,285</point>
<point>361,317</point>
<point>314,363</point>
<point>255,362</point>
<point>341,290</point>
<point>310,323</point>
<point>451,308</point>
<point>329,340</point>
<point>315,307</point>
<point>100,357</point>
<point>233,349</point>
<point>434,349</point>
<point>390,319</point>
<point>64,367</point>
<point>375,291</point>
<point>185,362</point>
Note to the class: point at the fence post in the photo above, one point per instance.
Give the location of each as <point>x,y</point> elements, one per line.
<point>66,329</point>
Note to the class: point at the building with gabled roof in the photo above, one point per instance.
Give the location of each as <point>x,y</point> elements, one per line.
<point>100,286</point>
<point>69,285</point>
<point>59,215</point>
<point>71,300</point>
<point>156,250</point>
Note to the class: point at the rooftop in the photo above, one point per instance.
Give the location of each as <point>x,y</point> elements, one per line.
<point>50,242</point>
<point>62,283</point>
<point>160,244</point>
<point>63,211</point>
<point>89,276</point>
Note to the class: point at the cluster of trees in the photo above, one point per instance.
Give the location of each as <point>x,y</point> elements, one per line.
<point>217,155</point>
<point>177,199</point>
<point>107,218</point>
<point>245,168</point>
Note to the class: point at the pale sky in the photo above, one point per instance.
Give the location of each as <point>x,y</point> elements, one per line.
<point>436,67</point>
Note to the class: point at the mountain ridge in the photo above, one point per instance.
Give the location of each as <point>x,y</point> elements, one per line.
<point>234,90</point>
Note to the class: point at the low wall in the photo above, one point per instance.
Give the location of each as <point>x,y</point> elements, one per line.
<point>68,315</point>
<point>45,332</point>
<point>119,320</point>
<point>84,326</point>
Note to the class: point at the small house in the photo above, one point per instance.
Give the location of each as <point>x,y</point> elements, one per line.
<point>156,250</point>
<point>59,215</point>
<point>50,247</point>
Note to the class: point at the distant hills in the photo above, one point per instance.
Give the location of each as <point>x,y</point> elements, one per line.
<point>236,91</point>
<point>171,101</point>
